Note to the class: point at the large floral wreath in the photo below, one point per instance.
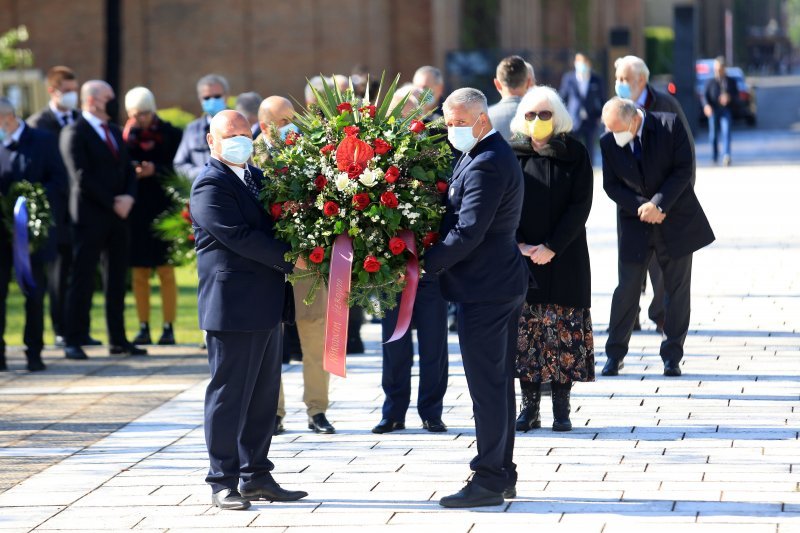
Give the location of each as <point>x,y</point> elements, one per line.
<point>357,168</point>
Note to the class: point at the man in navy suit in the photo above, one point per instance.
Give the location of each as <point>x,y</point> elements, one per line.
<point>647,172</point>
<point>583,93</point>
<point>31,155</point>
<point>240,301</point>
<point>482,270</point>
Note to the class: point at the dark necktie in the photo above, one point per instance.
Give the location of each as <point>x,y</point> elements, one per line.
<point>109,142</point>
<point>65,120</point>
<point>637,148</point>
<point>252,186</point>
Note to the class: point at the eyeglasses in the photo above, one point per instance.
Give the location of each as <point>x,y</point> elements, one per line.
<point>543,115</point>
<point>209,97</point>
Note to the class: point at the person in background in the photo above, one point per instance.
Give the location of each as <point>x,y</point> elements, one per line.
<point>152,144</point>
<point>720,98</point>
<point>192,154</point>
<point>247,104</point>
<point>556,342</point>
<point>512,81</point>
<point>318,83</point>
<point>430,78</point>
<point>583,93</point>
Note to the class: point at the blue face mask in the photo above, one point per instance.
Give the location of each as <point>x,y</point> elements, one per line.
<point>623,89</point>
<point>236,150</point>
<point>212,106</point>
<point>284,130</point>
<point>581,68</point>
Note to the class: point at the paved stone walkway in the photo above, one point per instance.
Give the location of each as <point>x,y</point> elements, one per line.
<point>714,450</point>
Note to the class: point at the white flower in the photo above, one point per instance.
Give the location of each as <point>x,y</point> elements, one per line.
<point>370,177</point>
<point>342,182</point>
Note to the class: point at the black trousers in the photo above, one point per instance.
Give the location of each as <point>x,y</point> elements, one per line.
<point>241,405</point>
<point>57,282</point>
<point>677,275</point>
<point>487,333</point>
<point>656,310</point>
<point>106,243</point>
<point>33,336</point>
<point>430,319</point>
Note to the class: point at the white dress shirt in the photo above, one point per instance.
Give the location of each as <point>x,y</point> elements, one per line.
<point>14,137</point>
<point>239,171</point>
<point>98,124</point>
<point>61,115</point>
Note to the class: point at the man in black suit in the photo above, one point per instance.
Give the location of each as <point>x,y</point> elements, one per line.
<point>647,172</point>
<point>102,191</point>
<point>482,270</point>
<point>240,302</point>
<point>62,85</point>
<point>30,155</point>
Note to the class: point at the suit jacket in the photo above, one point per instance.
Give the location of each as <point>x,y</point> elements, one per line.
<point>591,103</point>
<point>35,158</point>
<point>478,259</point>
<point>715,88</point>
<point>95,175</point>
<point>663,178</point>
<point>502,113</point>
<point>193,153</point>
<point>658,101</point>
<point>239,262</point>
<point>47,120</point>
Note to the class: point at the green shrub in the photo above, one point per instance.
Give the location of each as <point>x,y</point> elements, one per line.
<point>176,116</point>
<point>659,43</point>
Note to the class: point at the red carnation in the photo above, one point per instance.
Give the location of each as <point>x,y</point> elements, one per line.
<point>389,199</point>
<point>320,182</point>
<point>392,173</point>
<point>430,239</point>
<point>369,110</point>
<point>381,146</point>
<point>328,148</point>
<point>283,170</point>
<point>276,210</point>
<point>442,186</point>
<point>371,264</point>
<point>317,255</point>
<point>361,201</point>
<point>396,245</point>
<point>351,131</point>
<point>417,126</point>
<point>344,107</point>
<point>330,209</point>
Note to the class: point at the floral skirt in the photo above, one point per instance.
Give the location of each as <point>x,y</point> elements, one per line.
<point>555,344</point>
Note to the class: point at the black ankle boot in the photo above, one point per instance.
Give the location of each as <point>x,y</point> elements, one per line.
<point>529,412</point>
<point>167,336</point>
<point>561,393</point>
<point>143,337</point>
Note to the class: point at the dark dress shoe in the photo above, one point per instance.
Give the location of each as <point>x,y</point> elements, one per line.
<point>612,367</point>
<point>472,495</point>
<point>387,426</point>
<point>320,424</point>
<point>273,492</point>
<point>75,352</point>
<point>672,368</point>
<point>126,349</point>
<point>89,341</point>
<point>36,365</point>
<point>167,336</point>
<point>510,493</point>
<point>60,342</point>
<point>143,337</point>
<point>279,425</point>
<point>434,425</point>
<point>229,499</point>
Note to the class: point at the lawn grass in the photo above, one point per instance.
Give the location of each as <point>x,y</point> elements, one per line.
<point>186,328</point>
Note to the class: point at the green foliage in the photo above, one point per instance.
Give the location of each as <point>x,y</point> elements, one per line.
<point>174,225</point>
<point>40,218</point>
<point>10,55</point>
<point>659,43</point>
<point>176,116</point>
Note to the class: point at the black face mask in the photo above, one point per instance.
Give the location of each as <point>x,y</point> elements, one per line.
<point>112,109</point>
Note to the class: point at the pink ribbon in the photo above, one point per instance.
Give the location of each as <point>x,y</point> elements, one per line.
<point>334,357</point>
<point>410,290</point>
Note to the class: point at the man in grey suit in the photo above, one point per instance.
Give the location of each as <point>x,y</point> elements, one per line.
<point>512,82</point>
<point>193,154</point>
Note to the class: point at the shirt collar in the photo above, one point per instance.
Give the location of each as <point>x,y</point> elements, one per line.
<point>93,120</point>
<point>14,138</point>
<point>239,171</point>
<point>642,97</point>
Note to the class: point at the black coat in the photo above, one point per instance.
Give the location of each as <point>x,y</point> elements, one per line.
<point>159,147</point>
<point>557,201</point>
<point>667,165</point>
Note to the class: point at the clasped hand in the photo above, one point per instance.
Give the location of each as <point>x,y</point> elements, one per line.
<point>649,213</point>
<point>122,205</point>
<point>539,253</point>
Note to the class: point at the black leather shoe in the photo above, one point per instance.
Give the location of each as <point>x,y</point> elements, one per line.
<point>672,368</point>
<point>387,426</point>
<point>143,337</point>
<point>434,425</point>
<point>229,499</point>
<point>35,364</point>
<point>167,336</point>
<point>273,493</point>
<point>279,425</point>
<point>75,352</point>
<point>510,493</point>
<point>472,495</point>
<point>60,342</point>
<point>612,367</point>
<point>3,365</point>
<point>126,349</point>
<point>89,341</point>
<point>320,424</point>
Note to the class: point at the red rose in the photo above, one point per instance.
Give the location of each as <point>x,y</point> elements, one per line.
<point>354,171</point>
<point>320,182</point>
<point>369,110</point>
<point>283,170</point>
<point>328,148</point>
<point>397,245</point>
<point>430,239</point>
<point>276,210</point>
<point>381,146</point>
<point>317,255</point>
<point>351,131</point>
<point>389,199</point>
<point>330,209</point>
<point>392,173</point>
<point>191,237</point>
<point>344,107</point>
<point>361,201</point>
<point>371,264</point>
<point>291,138</point>
<point>442,186</point>
<point>417,126</point>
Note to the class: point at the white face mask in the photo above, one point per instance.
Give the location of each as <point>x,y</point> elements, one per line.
<point>236,150</point>
<point>68,100</point>
<point>622,138</point>
<point>461,137</point>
